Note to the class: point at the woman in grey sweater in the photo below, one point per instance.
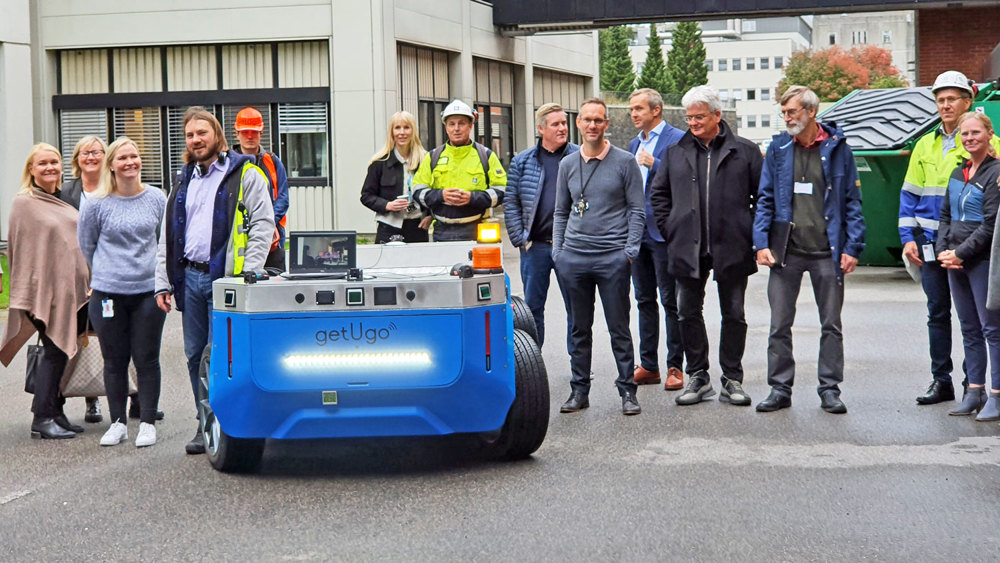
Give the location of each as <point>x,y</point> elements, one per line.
<point>117,234</point>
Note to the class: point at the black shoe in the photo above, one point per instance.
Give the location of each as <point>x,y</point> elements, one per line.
<point>47,429</point>
<point>134,412</point>
<point>64,422</point>
<point>732,393</point>
<point>775,401</point>
<point>197,444</point>
<point>831,403</point>
<point>937,392</point>
<point>630,405</point>
<point>699,388</point>
<point>576,402</point>
<point>93,414</point>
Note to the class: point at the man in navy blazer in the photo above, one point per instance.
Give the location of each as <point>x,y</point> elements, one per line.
<point>649,270</point>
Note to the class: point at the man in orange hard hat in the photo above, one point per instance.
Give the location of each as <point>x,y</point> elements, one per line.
<point>249,125</point>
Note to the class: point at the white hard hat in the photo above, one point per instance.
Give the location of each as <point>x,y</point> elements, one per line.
<point>952,79</point>
<point>458,107</point>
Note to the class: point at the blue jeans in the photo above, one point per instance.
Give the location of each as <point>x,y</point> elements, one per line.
<point>536,273</point>
<point>197,321</point>
<point>934,279</point>
<point>980,326</point>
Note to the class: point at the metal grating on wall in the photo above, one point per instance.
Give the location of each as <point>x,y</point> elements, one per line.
<point>191,68</point>
<point>247,66</point>
<point>302,118</point>
<point>567,90</point>
<point>73,126</point>
<point>137,70</point>
<point>303,64</point>
<point>142,125</point>
<point>407,61</point>
<point>229,121</point>
<point>176,147</point>
<point>310,208</point>
<point>494,82</point>
<point>84,71</point>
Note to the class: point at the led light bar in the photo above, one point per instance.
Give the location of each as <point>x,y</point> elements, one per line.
<point>374,360</point>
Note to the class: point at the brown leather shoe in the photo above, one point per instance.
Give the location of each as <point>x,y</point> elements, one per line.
<point>675,379</point>
<point>643,376</point>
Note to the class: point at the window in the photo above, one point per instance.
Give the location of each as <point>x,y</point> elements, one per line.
<point>765,63</point>
<point>423,82</point>
<point>833,39</point>
<point>302,129</point>
<point>738,94</point>
<point>722,65</point>
<point>749,26</point>
<point>751,63</point>
<point>736,64</point>
<point>76,124</point>
<point>779,62</point>
<point>724,95</point>
<point>859,37</point>
<point>143,126</point>
<point>765,93</point>
<point>751,121</point>
<point>886,36</point>
<point>494,87</point>
<point>751,94</point>
<point>708,65</point>
<point>765,121</point>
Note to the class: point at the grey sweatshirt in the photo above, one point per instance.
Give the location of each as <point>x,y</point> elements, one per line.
<point>117,236</point>
<point>616,217</point>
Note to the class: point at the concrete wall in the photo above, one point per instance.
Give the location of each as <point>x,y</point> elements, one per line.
<point>16,134</point>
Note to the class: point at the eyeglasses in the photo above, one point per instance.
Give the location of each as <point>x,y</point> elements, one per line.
<point>595,121</point>
<point>92,153</point>
<point>789,112</point>
<point>699,117</point>
<point>950,100</point>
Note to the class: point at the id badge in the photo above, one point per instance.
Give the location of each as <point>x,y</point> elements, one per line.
<point>107,308</point>
<point>928,252</point>
<point>805,188</point>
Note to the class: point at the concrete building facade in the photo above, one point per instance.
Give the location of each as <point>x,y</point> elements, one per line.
<point>326,74</point>
<point>893,31</point>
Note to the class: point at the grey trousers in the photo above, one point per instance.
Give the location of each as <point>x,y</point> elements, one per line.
<point>782,291</point>
<point>608,273</point>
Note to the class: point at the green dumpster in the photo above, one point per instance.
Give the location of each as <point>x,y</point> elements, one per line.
<point>882,126</point>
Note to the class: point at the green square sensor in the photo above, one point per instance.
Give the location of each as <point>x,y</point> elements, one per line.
<point>484,292</point>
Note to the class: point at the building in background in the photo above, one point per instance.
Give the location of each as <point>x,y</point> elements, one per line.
<point>325,75</point>
<point>744,59</point>
<point>893,31</point>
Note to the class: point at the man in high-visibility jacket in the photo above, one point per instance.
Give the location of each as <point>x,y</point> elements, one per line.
<point>459,181</point>
<point>219,222</point>
<point>934,158</point>
<point>249,128</point>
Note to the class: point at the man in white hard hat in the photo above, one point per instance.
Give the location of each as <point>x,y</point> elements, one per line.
<point>934,158</point>
<point>461,180</point>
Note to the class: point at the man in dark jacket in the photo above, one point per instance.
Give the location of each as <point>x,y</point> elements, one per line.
<point>808,220</point>
<point>649,270</point>
<point>529,204</point>
<point>703,197</point>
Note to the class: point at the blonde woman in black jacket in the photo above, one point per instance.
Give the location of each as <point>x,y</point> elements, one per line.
<point>388,186</point>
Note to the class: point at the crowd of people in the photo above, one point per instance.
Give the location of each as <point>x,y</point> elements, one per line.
<point>675,209</point>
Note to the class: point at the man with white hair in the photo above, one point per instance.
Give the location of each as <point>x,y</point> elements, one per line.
<point>808,220</point>
<point>703,198</point>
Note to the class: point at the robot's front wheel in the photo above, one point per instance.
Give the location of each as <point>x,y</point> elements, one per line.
<point>225,453</point>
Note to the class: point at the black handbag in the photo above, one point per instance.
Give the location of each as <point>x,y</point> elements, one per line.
<point>35,353</point>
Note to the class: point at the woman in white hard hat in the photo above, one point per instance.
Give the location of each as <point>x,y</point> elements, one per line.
<point>388,187</point>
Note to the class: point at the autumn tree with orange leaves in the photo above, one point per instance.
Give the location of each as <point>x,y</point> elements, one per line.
<point>833,72</point>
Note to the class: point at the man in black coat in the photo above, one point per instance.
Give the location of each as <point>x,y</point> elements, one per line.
<point>704,199</point>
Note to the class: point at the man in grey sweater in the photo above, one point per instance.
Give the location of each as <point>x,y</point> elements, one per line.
<point>596,230</point>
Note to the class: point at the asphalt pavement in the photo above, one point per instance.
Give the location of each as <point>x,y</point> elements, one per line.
<point>889,481</point>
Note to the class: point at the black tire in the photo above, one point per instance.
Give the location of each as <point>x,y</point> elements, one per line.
<point>225,453</point>
<point>523,319</point>
<point>528,419</point>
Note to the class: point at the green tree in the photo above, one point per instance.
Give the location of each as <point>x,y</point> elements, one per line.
<point>686,59</point>
<point>617,74</point>
<point>654,72</point>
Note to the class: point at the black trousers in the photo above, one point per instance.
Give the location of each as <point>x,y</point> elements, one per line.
<point>411,232</point>
<point>733,334</point>
<point>608,273</point>
<point>133,331</point>
<point>649,278</point>
<point>47,402</point>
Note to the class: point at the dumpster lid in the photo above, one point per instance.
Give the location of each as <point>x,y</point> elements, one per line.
<point>883,119</point>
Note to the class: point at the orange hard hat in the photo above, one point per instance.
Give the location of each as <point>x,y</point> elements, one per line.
<point>249,118</point>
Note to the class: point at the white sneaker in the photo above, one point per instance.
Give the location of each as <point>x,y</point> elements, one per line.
<point>115,434</point>
<point>146,436</point>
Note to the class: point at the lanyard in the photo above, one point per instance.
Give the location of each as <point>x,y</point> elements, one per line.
<point>584,185</point>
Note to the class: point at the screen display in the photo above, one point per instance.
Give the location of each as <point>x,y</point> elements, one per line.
<point>322,252</point>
